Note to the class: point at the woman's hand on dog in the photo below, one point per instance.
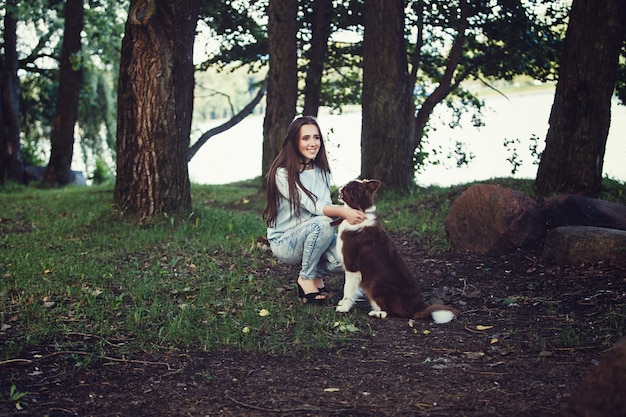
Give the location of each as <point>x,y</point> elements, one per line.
<point>353,216</point>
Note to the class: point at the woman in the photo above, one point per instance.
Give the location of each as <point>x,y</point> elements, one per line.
<point>299,209</point>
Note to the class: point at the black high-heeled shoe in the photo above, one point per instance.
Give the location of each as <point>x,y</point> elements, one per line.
<point>311,298</point>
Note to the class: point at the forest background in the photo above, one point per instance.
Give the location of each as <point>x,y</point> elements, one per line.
<point>400,62</point>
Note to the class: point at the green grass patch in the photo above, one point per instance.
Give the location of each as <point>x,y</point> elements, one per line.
<point>73,269</point>
<point>73,272</point>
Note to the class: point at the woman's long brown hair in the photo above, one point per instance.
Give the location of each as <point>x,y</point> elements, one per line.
<point>291,159</point>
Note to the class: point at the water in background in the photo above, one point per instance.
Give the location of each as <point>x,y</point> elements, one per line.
<point>236,154</point>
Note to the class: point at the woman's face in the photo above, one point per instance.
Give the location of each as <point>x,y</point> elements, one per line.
<point>309,142</point>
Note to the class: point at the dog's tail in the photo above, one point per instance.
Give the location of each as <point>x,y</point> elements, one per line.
<point>439,313</point>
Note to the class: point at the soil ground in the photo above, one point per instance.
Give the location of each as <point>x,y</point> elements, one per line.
<point>527,335</point>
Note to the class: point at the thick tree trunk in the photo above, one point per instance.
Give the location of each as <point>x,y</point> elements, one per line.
<point>320,28</point>
<point>581,113</point>
<point>386,152</point>
<point>282,81</point>
<point>155,102</point>
<point>59,170</point>
<point>11,166</point>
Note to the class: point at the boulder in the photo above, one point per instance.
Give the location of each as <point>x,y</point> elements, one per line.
<point>569,245</point>
<point>573,210</point>
<point>601,394</point>
<point>490,219</point>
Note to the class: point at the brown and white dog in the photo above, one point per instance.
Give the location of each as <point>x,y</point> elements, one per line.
<point>373,262</point>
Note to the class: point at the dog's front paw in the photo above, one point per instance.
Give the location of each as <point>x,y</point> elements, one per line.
<point>378,313</point>
<point>343,306</point>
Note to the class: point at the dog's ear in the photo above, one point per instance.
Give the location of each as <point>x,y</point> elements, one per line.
<point>372,185</point>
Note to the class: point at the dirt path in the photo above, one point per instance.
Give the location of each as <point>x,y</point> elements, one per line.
<point>526,337</point>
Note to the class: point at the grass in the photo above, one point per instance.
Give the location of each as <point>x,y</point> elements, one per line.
<point>76,275</point>
<point>71,269</point>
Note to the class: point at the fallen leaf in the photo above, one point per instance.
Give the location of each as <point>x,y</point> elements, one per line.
<point>474,355</point>
<point>481,327</point>
<point>494,340</point>
<point>348,328</point>
<point>509,300</point>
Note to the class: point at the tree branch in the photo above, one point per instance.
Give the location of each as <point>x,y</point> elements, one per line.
<point>445,85</point>
<point>230,123</point>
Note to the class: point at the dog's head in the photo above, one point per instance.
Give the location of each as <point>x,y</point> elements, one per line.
<point>359,194</point>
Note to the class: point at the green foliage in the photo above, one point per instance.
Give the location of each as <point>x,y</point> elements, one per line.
<point>96,113</point>
<point>236,27</point>
<point>99,57</point>
<point>37,109</point>
<point>504,38</point>
<point>15,396</point>
<point>101,174</point>
<point>32,154</point>
<point>613,190</point>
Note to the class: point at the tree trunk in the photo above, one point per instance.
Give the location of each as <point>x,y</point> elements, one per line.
<point>386,153</point>
<point>282,81</point>
<point>581,113</point>
<point>59,170</point>
<point>155,102</point>
<point>320,28</point>
<point>11,166</point>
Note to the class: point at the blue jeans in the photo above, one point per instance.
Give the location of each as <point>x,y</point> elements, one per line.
<point>311,244</point>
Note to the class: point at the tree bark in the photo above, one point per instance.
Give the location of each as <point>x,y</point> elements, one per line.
<point>386,153</point>
<point>155,102</point>
<point>11,166</point>
<point>282,82</point>
<point>320,28</point>
<point>581,113</point>
<point>58,171</point>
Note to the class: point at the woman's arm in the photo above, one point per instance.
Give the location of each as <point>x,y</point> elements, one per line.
<point>353,216</point>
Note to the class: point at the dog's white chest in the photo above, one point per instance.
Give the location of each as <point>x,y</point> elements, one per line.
<point>370,219</point>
